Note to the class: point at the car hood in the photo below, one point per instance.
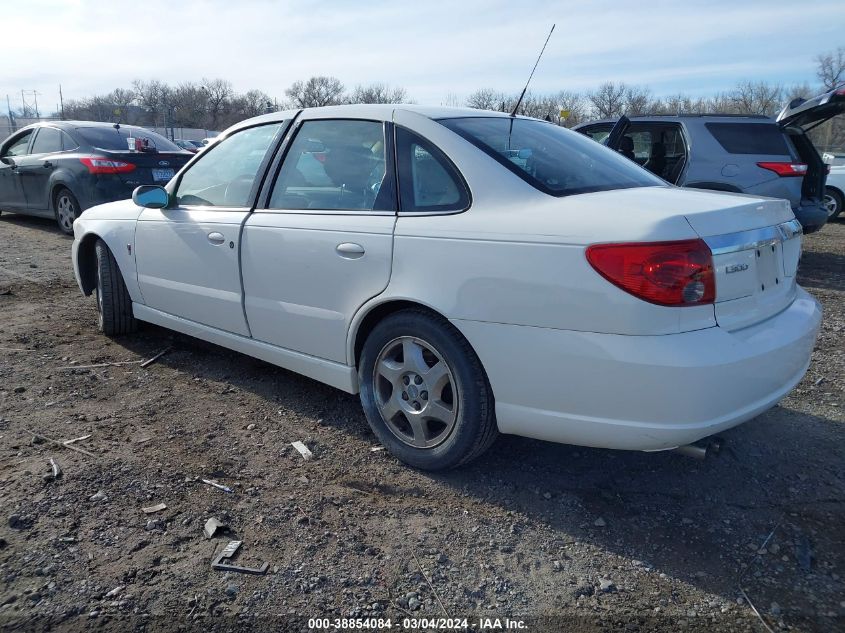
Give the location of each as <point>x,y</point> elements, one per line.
<point>119,210</point>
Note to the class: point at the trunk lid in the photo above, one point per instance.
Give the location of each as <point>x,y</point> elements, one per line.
<point>756,247</point>
<point>151,168</point>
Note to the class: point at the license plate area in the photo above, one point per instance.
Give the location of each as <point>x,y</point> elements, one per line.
<point>162,175</point>
<point>769,267</point>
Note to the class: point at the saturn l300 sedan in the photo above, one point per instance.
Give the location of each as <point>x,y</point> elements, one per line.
<point>468,273</point>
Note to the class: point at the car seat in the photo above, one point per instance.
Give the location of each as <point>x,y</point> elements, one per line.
<point>626,147</point>
<point>656,162</point>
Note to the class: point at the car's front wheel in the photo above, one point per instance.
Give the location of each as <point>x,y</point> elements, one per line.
<point>114,306</point>
<point>833,202</point>
<point>67,210</point>
<point>424,391</point>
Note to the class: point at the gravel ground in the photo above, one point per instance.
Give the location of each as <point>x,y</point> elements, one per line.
<point>562,537</point>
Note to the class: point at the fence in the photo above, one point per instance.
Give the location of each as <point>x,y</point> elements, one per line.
<point>187,133</point>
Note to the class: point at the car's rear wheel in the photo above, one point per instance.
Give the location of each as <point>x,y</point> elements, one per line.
<point>67,210</point>
<point>425,393</point>
<point>114,306</point>
<point>833,202</point>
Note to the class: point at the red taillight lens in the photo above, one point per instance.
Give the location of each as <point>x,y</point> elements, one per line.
<point>103,165</point>
<point>785,169</point>
<point>665,273</point>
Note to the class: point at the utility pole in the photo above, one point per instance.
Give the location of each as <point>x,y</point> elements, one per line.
<point>61,104</point>
<point>11,118</point>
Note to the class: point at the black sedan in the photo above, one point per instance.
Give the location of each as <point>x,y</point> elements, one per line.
<point>57,169</point>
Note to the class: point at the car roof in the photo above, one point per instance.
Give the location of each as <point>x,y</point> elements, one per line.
<point>733,118</point>
<point>379,111</point>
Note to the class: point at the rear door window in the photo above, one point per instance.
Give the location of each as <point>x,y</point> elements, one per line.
<point>47,141</point>
<point>428,181</point>
<point>750,138</point>
<point>336,165</point>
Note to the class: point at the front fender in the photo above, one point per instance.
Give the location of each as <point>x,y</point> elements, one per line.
<point>119,236</point>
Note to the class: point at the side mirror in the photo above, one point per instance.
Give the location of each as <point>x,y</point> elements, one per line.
<point>7,160</point>
<point>151,197</point>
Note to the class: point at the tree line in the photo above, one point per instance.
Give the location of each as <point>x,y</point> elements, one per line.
<point>213,104</point>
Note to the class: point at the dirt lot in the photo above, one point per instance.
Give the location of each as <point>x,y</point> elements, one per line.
<point>567,538</point>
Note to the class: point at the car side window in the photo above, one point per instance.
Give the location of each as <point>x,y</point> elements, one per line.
<point>225,173</point>
<point>597,132</point>
<point>19,145</point>
<point>428,181</point>
<point>67,142</point>
<point>336,165</point>
<point>47,141</point>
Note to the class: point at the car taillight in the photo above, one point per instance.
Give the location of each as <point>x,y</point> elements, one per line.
<point>666,273</point>
<point>785,169</point>
<point>102,165</point>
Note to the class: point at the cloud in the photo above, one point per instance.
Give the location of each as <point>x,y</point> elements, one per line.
<point>432,48</point>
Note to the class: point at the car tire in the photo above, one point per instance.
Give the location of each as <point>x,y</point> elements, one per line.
<point>833,202</point>
<point>114,306</point>
<point>67,210</point>
<point>425,393</point>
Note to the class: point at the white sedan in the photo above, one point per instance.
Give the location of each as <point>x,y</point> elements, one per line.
<point>468,273</point>
<point>834,191</point>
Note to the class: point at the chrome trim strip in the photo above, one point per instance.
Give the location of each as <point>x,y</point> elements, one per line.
<point>755,238</point>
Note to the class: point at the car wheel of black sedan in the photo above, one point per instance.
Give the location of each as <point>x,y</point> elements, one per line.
<point>67,210</point>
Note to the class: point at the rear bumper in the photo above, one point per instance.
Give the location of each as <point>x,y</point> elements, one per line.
<point>642,392</point>
<point>811,214</point>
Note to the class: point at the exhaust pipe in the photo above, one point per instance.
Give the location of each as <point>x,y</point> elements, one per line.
<point>712,447</point>
<point>691,450</point>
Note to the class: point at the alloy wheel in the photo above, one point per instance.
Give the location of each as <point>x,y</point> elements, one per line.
<point>831,204</point>
<point>66,211</point>
<point>415,392</point>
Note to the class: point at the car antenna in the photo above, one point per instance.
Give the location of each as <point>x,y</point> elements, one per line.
<point>519,101</point>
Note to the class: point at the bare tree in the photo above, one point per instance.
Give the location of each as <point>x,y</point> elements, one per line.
<point>831,68</point>
<point>486,99</point>
<point>378,93</point>
<point>316,92</point>
<point>760,97</point>
<point>638,100</point>
<point>218,93</point>
<point>608,100</point>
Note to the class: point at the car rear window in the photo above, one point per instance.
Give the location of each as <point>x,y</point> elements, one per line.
<point>750,138</point>
<point>114,139</point>
<point>551,158</point>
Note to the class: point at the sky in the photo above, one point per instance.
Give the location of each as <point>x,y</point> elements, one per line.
<point>440,51</point>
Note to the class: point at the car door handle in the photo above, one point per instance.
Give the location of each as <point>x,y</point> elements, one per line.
<point>47,164</point>
<point>216,238</point>
<point>350,250</point>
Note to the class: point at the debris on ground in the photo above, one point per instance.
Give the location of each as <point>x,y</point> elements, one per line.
<point>56,470</point>
<point>227,553</point>
<point>218,486</point>
<point>303,450</point>
<point>150,361</point>
<point>156,508</point>
<point>211,526</point>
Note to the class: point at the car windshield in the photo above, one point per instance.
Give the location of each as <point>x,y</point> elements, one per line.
<point>552,159</point>
<point>110,138</point>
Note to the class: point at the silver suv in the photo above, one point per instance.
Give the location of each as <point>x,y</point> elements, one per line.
<point>743,154</point>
